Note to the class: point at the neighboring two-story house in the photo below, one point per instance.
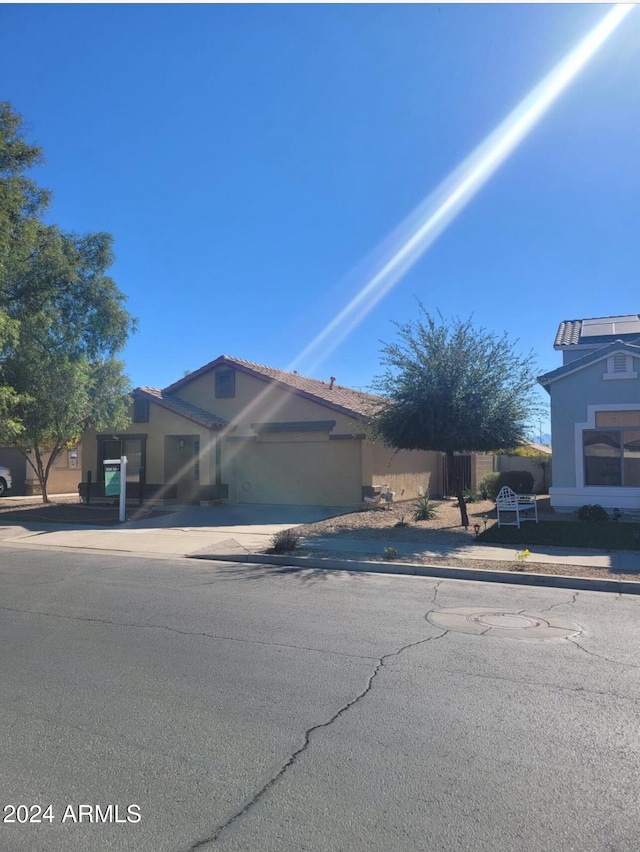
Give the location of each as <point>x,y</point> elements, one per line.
<point>595,414</point>
<point>254,434</point>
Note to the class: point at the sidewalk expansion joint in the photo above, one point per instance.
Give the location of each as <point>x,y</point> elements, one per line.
<point>308,734</point>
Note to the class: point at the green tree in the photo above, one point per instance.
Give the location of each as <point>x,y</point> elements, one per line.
<point>22,202</point>
<point>60,293</point>
<point>450,387</point>
<point>62,319</point>
<point>60,396</point>
<point>60,365</point>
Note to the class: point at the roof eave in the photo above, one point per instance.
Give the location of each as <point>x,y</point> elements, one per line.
<point>224,360</point>
<point>592,358</point>
<point>205,422</point>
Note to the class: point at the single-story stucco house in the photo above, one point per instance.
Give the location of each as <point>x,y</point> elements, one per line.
<point>248,433</point>
<point>595,414</point>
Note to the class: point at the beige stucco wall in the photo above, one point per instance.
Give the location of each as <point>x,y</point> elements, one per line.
<point>313,471</point>
<point>409,473</point>
<point>302,468</point>
<point>64,475</point>
<point>299,467</point>
<point>161,423</point>
<point>481,465</point>
<point>506,463</point>
<point>258,401</point>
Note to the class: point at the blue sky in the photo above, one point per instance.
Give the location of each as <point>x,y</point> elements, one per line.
<point>247,158</point>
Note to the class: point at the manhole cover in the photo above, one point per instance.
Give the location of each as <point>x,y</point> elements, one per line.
<point>496,622</point>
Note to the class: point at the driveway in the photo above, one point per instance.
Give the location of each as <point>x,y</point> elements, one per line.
<point>186,530</point>
<point>240,516</point>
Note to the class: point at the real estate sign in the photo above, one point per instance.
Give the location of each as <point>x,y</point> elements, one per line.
<point>111,480</point>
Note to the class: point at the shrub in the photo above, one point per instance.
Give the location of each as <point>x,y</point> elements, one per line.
<point>424,509</point>
<point>593,513</point>
<point>520,481</point>
<point>470,496</point>
<point>285,541</point>
<point>401,522</point>
<point>486,487</point>
<point>390,553</point>
<point>522,556</point>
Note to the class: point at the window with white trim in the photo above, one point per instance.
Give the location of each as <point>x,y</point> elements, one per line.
<point>612,450</point>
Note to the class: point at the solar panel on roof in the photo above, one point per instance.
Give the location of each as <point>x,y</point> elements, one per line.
<point>629,324</point>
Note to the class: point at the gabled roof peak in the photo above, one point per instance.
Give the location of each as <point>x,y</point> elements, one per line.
<point>590,358</point>
<point>347,400</point>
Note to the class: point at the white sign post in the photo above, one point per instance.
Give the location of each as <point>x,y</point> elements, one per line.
<point>117,479</point>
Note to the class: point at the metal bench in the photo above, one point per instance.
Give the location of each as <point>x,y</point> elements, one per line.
<point>521,505</point>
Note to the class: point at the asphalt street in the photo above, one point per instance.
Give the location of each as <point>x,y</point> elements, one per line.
<point>242,707</point>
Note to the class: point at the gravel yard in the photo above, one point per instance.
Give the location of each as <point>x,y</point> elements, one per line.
<point>381,525</point>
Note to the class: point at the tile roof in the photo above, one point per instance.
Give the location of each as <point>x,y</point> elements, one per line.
<point>181,407</point>
<point>595,331</point>
<point>346,400</point>
<point>568,332</point>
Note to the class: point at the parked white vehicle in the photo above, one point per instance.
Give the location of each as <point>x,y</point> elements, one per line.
<point>5,480</point>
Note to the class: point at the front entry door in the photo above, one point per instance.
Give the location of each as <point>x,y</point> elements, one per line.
<point>182,465</point>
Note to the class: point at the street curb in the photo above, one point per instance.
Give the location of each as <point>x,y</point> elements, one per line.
<point>592,584</point>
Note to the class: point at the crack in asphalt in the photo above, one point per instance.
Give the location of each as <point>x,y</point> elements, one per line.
<point>188,633</point>
<point>435,591</point>
<point>601,656</point>
<point>573,600</point>
<point>381,662</point>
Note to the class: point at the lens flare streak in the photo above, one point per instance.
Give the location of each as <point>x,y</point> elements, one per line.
<point>399,252</point>
<point>413,237</point>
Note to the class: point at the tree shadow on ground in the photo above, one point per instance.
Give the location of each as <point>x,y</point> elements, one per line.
<point>74,515</point>
<point>302,574</point>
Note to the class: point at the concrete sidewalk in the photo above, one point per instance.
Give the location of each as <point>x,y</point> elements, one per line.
<point>165,540</point>
<point>192,531</point>
<point>183,531</point>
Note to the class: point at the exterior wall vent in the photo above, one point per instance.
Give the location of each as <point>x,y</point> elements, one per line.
<point>620,363</point>
<point>225,384</point>
<point>620,366</point>
<point>140,410</point>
